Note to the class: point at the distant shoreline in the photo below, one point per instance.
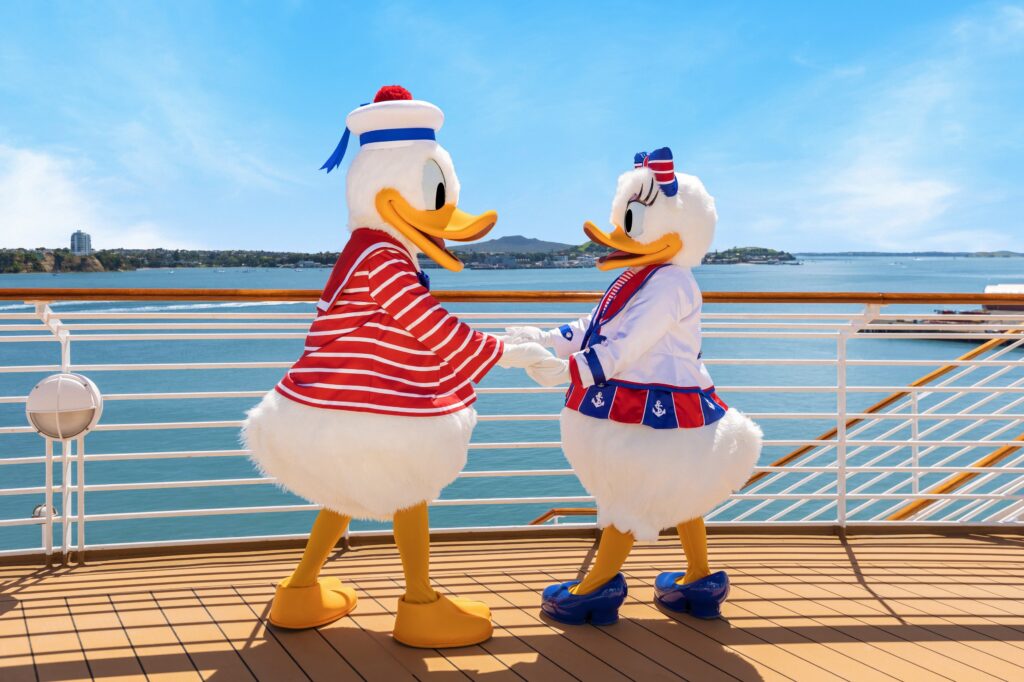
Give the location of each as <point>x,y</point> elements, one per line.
<point>478,257</point>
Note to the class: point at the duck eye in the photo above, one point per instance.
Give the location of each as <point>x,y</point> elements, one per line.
<point>633,221</point>
<point>435,191</point>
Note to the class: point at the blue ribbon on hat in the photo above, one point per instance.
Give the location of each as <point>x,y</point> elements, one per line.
<point>385,135</point>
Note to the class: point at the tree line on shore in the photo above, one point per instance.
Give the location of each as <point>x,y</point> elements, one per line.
<point>107,260</point>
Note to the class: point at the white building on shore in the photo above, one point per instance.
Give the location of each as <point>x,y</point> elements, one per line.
<point>81,243</point>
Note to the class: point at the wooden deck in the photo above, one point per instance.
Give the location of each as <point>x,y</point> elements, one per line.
<point>803,607</point>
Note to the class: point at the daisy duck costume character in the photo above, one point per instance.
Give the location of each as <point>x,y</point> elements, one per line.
<point>374,418</point>
<point>642,425</point>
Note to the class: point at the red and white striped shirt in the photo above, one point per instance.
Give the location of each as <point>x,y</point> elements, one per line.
<point>381,343</point>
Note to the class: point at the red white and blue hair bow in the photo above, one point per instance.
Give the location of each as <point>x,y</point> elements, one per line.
<point>660,162</point>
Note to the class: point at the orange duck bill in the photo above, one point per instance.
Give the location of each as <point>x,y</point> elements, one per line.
<point>428,230</point>
<point>627,251</point>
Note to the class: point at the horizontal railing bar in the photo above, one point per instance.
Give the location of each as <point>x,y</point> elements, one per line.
<point>929,416</point>
<point>167,315</point>
<point>28,338</point>
<point>231,482</point>
<point>770,361</point>
<point>508,473</point>
<point>460,296</point>
<point>875,333</point>
<point>38,490</point>
<point>484,530</point>
<point>770,335</point>
<point>274,509</point>
<point>938,336</point>
<point>30,521</point>
<point>933,443</point>
<point>511,473</point>
<point>515,390</point>
<point>16,369</point>
<point>255,336</point>
<point>170,485</point>
<point>516,445</point>
<point>958,326</point>
<point>525,390</point>
<point>519,501</point>
<point>130,456</point>
<point>787,469</point>
<point>930,363</point>
<point>130,367</point>
<point>994,316</point>
<point>226,326</point>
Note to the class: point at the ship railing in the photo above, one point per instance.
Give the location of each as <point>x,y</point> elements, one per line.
<point>944,448</point>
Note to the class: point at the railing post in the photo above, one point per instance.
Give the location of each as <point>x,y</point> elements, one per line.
<point>841,429</point>
<point>65,502</point>
<point>915,451</point>
<point>48,523</point>
<point>80,497</point>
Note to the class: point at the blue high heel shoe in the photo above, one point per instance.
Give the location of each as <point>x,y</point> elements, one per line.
<point>600,607</point>
<point>701,599</point>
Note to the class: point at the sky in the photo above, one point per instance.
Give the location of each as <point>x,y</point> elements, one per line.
<point>817,126</point>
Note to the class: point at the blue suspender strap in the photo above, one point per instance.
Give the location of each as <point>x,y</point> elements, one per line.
<point>595,366</point>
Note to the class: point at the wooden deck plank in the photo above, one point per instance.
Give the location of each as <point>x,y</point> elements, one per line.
<point>670,655</point>
<point>992,619</point>
<point>55,647</point>
<point>520,616</point>
<point>599,641</point>
<point>104,641</point>
<point>16,663</point>
<point>731,631</point>
<point>948,657</point>
<point>159,652</point>
<point>996,657</point>
<point>512,651</point>
<point>314,654</point>
<point>803,607</point>
<point>864,641</point>
<point>258,647</point>
<point>204,642</point>
<point>474,661</point>
<point>379,621</point>
<point>370,653</point>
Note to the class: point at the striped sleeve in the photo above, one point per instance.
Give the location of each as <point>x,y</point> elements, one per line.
<point>395,287</point>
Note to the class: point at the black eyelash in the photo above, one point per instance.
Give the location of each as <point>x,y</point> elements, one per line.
<point>649,200</point>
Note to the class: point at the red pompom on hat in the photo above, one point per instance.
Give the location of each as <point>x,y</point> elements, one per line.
<point>390,93</point>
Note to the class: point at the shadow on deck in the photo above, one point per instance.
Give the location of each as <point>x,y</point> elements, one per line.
<point>803,607</point>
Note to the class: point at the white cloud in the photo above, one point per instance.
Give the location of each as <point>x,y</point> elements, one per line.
<point>44,198</point>
<point>905,164</point>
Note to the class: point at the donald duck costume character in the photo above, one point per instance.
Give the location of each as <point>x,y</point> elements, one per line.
<point>374,418</point>
<point>642,425</point>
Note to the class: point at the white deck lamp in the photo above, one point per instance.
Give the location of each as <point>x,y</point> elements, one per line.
<point>64,407</point>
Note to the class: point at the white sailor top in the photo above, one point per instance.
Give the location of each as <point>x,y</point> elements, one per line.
<point>636,358</point>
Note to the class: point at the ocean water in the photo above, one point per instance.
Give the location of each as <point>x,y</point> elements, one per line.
<point>821,274</point>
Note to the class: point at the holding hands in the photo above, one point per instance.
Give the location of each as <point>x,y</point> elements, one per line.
<point>524,348</point>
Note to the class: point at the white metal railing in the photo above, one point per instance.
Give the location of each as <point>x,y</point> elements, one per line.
<point>799,372</point>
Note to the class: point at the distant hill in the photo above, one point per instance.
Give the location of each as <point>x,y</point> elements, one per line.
<point>513,244</point>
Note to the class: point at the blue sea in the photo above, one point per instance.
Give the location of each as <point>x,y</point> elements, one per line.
<point>817,274</point>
